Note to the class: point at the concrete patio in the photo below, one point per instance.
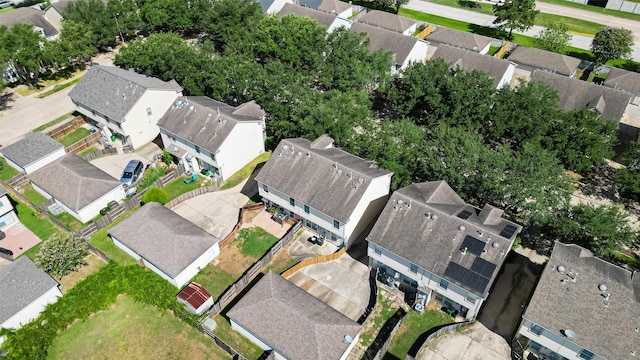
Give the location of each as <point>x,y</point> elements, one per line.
<point>263,220</point>
<point>19,239</point>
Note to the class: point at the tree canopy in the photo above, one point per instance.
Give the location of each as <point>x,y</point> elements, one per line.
<point>612,43</point>
<point>515,14</point>
<point>554,38</point>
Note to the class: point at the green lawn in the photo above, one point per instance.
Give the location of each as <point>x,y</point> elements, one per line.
<point>38,224</point>
<point>255,242</point>
<point>151,175</point>
<point>72,223</point>
<point>6,171</point>
<point>33,251</point>
<point>598,9</point>
<point>53,122</point>
<point>7,9</point>
<point>216,280</point>
<point>234,339</point>
<point>87,151</point>
<point>414,325</point>
<point>35,197</point>
<point>59,87</point>
<point>74,136</point>
<point>246,171</point>
<point>385,308</point>
<point>132,330</point>
<point>178,187</point>
<point>103,242</point>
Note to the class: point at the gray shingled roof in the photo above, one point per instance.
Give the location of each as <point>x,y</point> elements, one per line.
<point>576,93</point>
<point>74,181</point>
<point>206,122</point>
<point>265,4</point>
<point>420,224</point>
<point>112,91</point>
<point>469,61</point>
<point>165,239</point>
<point>322,18</point>
<point>623,80</point>
<point>292,321</point>
<point>463,39</point>
<point>312,4</point>
<point>334,6</point>
<point>558,303</point>
<point>30,149</point>
<point>387,21</point>
<point>28,15</point>
<point>545,60</point>
<point>325,178</point>
<point>386,40</point>
<point>21,283</point>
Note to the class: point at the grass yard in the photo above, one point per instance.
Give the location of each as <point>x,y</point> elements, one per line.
<point>94,263</point>
<point>621,14</point>
<point>35,197</point>
<point>74,136</point>
<point>132,330</point>
<point>151,175</point>
<point>103,242</point>
<point>385,308</point>
<point>72,223</point>
<point>6,171</point>
<point>246,171</point>
<point>53,122</point>
<point>38,224</point>
<point>33,251</point>
<point>87,151</point>
<point>413,326</point>
<point>178,187</point>
<point>234,339</point>
<point>24,90</point>
<point>235,259</point>
<point>10,8</point>
<point>59,87</point>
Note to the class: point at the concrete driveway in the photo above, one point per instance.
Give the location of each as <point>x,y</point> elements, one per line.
<point>475,342</point>
<point>114,164</point>
<point>19,239</point>
<point>342,284</point>
<point>216,212</point>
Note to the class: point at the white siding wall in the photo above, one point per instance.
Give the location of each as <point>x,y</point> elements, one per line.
<point>417,54</point>
<point>410,30</point>
<point>45,161</point>
<point>14,165</point>
<point>203,155</point>
<point>32,310</point>
<point>485,50</point>
<point>430,280</point>
<point>237,327</point>
<point>554,342</point>
<point>338,22</point>
<point>125,248</point>
<point>369,207</point>
<point>195,267</point>
<point>347,14</point>
<point>141,127</point>
<point>114,127</point>
<point>506,77</point>
<point>244,143</point>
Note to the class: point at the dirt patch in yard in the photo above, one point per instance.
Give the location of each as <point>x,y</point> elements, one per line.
<point>232,260</point>
<point>94,263</point>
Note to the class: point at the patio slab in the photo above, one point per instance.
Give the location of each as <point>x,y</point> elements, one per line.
<point>19,239</point>
<point>302,249</point>
<point>263,220</point>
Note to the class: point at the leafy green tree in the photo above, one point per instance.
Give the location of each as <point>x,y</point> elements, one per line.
<point>399,3</point>
<point>74,46</point>
<point>155,194</point>
<point>515,14</point>
<point>230,23</point>
<point>628,183</point>
<point>20,48</point>
<point>166,15</point>
<point>98,17</point>
<point>61,254</point>
<point>554,38</point>
<point>612,43</point>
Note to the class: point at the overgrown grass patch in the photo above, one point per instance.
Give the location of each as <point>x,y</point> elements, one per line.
<point>234,339</point>
<point>626,259</point>
<point>55,121</point>
<point>246,171</point>
<point>59,87</point>
<point>385,308</point>
<point>74,136</point>
<point>215,279</point>
<point>6,170</point>
<point>178,187</point>
<point>94,263</point>
<point>104,243</point>
<point>69,221</point>
<point>151,175</point>
<point>413,326</point>
<point>254,242</point>
<point>35,197</point>
<point>34,220</point>
<point>87,151</point>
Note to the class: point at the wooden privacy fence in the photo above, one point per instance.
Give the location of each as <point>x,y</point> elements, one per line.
<point>400,316</point>
<point>236,228</point>
<point>312,261</point>
<point>18,180</point>
<point>424,33</point>
<point>445,329</point>
<point>191,194</point>
<point>83,144</point>
<point>231,351</point>
<point>503,49</point>
<point>66,128</point>
<point>99,153</point>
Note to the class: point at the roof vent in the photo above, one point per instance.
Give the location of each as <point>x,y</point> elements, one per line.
<point>175,149</point>
<point>462,228</point>
<point>602,287</point>
<point>434,217</point>
<point>569,333</point>
<point>192,108</point>
<point>360,181</point>
<point>285,147</point>
<point>495,245</point>
<point>299,153</point>
<point>633,353</point>
<point>339,171</point>
<point>348,339</point>
<point>464,250</point>
<point>560,269</point>
<point>399,202</point>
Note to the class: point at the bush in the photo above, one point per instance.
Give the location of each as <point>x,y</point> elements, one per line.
<point>167,157</point>
<point>61,254</point>
<point>155,194</point>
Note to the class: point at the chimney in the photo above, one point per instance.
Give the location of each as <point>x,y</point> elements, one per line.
<point>490,215</point>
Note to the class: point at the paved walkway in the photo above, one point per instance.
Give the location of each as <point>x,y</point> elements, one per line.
<point>263,220</point>
<point>19,239</point>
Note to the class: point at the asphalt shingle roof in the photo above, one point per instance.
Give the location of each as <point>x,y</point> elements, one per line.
<point>28,15</point>
<point>322,18</point>
<point>112,91</point>
<point>607,327</point>
<point>545,60</point>
<point>292,321</point>
<point>386,40</point>
<point>623,80</point>
<point>334,6</point>
<point>74,181</point>
<point>32,148</point>
<point>469,61</point>
<point>457,38</point>
<point>327,179</point>
<point>21,283</point>
<point>387,21</point>
<point>420,223</point>
<point>576,93</point>
<point>206,122</point>
<point>165,239</point>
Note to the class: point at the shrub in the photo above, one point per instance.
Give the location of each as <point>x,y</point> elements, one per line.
<point>167,157</point>
<point>61,254</point>
<point>155,194</point>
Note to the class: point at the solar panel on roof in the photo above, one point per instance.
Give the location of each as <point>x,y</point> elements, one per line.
<point>464,214</point>
<point>508,231</point>
<point>466,277</point>
<point>483,267</point>
<point>473,245</point>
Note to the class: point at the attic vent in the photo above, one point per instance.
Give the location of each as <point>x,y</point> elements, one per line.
<point>399,202</point>
<point>602,287</point>
<point>462,228</point>
<point>434,217</point>
<point>360,180</point>
<point>339,171</point>
<point>299,153</point>
<point>560,269</point>
<point>495,245</point>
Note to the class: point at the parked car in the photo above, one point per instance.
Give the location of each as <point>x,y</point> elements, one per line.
<point>6,3</point>
<point>131,172</point>
<point>6,251</point>
<point>318,240</point>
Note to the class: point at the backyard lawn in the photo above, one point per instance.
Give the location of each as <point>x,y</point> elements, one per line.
<point>34,221</point>
<point>151,175</point>
<point>87,151</point>
<point>103,242</point>
<point>413,326</point>
<point>246,171</point>
<point>69,221</point>
<point>94,262</point>
<point>132,330</point>
<point>178,187</point>
<point>35,197</point>
<point>234,339</point>
<point>6,171</point>
<point>74,136</point>
<point>385,308</point>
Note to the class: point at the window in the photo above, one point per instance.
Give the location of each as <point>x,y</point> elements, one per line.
<point>378,250</point>
<point>197,148</point>
<point>444,284</point>
<point>265,188</point>
<point>534,347</point>
<point>292,201</point>
<point>413,268</point>
<point>470,298</point>
<point>148,111</point>
<point>6,219</point>
<point>586,354</point>
<point>336,224</point>
<point>213,156</point>
<point>306,208</point>
<point>536,329</point>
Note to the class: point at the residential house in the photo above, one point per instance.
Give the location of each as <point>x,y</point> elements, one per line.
<point>25,291</point>
<point>166,243</point>
<point>404,49</point>
<point>430,242</point>
<point>501,71</point>
<point>339,8</point>
<point>32,152</point>
<point>575,94</point>
<point>332,192</point>
<point>582,308</point>
<point>530,59</point>
<point>388,21</point>
<point>462,39</point>
<point>325,19</point>
<point>77,186</point>
<point>277,315</point>
<point>211,135</point>
<point>624,80</point>
<point>195,298</point>
<point>8,215</point>
<point>124,103</point>
<point>273,6</point>
<point>31,16</point>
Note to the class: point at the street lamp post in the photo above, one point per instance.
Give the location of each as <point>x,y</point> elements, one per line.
<point>118,25</point>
